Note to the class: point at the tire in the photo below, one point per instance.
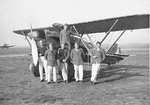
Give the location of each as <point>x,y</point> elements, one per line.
<point>34,69</point>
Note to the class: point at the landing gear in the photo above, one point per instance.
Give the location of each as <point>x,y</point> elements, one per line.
<point>34,69</point>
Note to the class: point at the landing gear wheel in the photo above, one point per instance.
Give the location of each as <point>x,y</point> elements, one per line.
<point>34,69</point>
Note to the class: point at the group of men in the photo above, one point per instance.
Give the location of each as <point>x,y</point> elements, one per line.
<point>52,60</point>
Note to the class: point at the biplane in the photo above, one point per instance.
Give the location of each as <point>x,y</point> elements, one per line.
<point>123,24</point>
<point>6,46</point>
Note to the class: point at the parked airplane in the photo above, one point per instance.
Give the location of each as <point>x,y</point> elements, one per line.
<point>6,46</point>
<point>51,34</point>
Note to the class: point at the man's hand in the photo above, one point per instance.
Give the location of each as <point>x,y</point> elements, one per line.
<point>64,60</point>
<point>94,56</point>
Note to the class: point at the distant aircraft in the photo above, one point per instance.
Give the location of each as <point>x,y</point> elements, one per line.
<point>6,46</point>
<point>51,34</point>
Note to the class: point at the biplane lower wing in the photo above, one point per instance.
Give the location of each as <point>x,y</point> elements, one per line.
<point>112,59</point>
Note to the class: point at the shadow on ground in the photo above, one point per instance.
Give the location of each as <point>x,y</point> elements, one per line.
<point>44,99</point>
<point>116,72</point>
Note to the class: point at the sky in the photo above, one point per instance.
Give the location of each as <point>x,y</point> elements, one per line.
<point>19,14</point>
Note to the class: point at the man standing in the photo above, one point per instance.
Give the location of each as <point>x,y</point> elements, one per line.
<point>42,61</point>
<point>50,56</point>
<point>63,56</point>
<point>77,59</point>
<point>98,56</point>
<point>65,36</point>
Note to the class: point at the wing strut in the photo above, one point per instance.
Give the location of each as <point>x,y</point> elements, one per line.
<point>109,30</point>
<point>116,40</point>
<point>26,37</point>
<point>82,40</point>
<point>91,40</point>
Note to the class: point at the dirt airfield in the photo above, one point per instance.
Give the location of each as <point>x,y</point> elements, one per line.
<point>126,83</point>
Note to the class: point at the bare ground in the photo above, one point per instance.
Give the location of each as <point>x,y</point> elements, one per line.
<point>123,84</point>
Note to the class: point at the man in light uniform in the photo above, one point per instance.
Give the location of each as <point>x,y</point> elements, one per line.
<point>51,56</point>
<point>77,60</point>
<point>98,56</point>
<point>42,61</point>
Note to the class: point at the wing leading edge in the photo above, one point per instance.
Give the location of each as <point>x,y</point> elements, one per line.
<point>124,23</point>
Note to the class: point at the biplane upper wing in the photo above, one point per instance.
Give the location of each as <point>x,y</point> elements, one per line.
<point>124,23</point>
<point>99,26</point>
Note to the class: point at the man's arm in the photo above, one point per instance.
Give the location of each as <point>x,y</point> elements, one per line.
<point>103,54</point>
<point>45,55</point>
<point>71,54</point>
<point>68,54</point>
<point>60,37</point>
<point>82,53</point>
<point>60,57</point>
<point>56,54</point>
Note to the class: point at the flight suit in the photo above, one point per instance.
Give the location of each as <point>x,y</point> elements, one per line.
<point>77,59</point>
<point>97,57</point>
<point>51,56</point>
<point>42,63</point>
